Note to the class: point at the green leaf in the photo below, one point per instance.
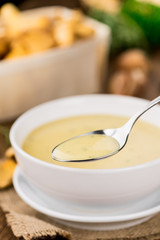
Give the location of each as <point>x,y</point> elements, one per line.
<point>5,132</point>
<point>125,32</point>
<point>147,16</point>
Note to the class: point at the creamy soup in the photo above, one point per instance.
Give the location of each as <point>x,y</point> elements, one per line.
<point>142,146</point>
<point>86,147</point>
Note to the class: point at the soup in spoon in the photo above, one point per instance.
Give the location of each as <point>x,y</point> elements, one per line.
<point>86,147</point>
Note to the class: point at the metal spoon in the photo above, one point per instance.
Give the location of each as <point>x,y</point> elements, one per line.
<point>119,134</point>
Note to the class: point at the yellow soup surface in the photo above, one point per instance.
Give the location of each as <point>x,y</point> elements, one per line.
<point>142,145</point>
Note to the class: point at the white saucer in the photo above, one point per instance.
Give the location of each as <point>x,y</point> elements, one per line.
<point>99,219</point>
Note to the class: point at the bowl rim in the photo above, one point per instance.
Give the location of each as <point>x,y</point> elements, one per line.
<point>14,128</point>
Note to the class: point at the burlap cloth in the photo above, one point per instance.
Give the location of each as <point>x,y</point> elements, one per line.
<point>28,224</point>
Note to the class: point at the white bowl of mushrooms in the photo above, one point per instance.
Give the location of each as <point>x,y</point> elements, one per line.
<point>48,53</point>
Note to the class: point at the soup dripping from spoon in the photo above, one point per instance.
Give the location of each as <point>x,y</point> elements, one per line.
<point>99,144</point>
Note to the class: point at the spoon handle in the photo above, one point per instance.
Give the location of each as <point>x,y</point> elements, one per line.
<point>133,119</point>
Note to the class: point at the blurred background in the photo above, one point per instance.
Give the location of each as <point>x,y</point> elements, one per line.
<point>100,46</point>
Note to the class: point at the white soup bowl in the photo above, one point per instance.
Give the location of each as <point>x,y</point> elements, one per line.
<point>86,187</point>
